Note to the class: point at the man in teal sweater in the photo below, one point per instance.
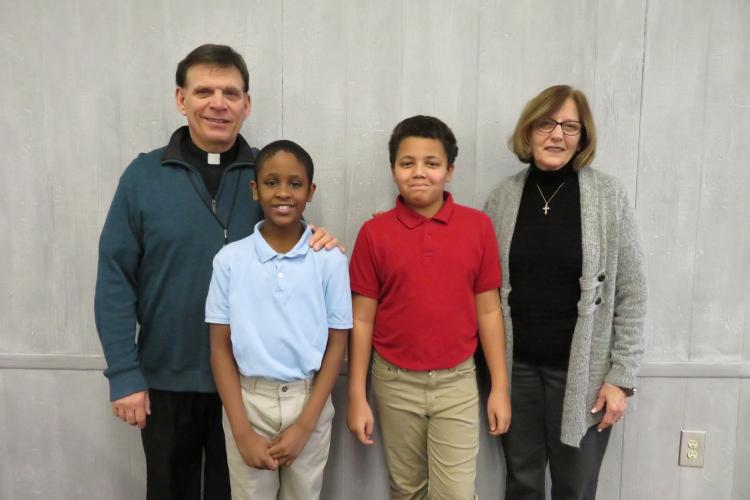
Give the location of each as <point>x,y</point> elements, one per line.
<point>173,210</point>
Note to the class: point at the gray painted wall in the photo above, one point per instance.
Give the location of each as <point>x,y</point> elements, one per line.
<point>87,84</point>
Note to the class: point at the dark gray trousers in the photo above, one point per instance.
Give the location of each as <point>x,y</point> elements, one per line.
<point>533,440</point>
<point>183,441</point>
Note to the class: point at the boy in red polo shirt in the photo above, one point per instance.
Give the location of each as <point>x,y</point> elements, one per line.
<point>425,277</point>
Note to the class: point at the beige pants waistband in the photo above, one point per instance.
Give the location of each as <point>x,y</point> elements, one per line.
<point>268,387</point>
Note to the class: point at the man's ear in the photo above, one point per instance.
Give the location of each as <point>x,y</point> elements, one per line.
<point>179,98</point>
<point>249,105</point>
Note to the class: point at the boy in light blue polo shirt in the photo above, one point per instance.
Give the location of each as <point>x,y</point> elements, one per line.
<point>279,316</point>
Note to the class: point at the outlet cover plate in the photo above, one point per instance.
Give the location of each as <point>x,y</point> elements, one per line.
<point>692,448</point>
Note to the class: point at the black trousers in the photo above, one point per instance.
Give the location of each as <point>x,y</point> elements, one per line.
<point>533,440</point>
<point>183,428</point>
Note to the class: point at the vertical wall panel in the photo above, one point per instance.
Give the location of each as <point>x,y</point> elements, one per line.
<point>670,166</point>
<point>616,98</point>
<point>61,131</point>
<point>440,76</point>
<point>22,174</point>
<point>741,486</point>
<point>78,135</point>
<point>262,34</point>
<point>374,38</point>
<point>145,111</point>
<point>314,96</point>
<point>499,96</point>
<point>651,437</point>
<point>722,259</point>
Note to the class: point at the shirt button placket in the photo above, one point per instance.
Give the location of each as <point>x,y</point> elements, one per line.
<point>428,243</point>
<point>280,276</point>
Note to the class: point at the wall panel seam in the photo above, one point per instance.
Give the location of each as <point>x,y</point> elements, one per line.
<point>652,369</point>
<point>640,111</point>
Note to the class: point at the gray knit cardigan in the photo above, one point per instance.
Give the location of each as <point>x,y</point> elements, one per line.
<point>608,339</point>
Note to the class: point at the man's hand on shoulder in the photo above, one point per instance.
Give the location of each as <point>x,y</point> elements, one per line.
<point>321,238</point>
<point>133,408</point>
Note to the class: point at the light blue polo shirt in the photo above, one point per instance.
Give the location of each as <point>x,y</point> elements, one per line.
<point>279,306</point>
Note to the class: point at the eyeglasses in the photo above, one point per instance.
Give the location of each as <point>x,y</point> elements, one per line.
<point>547,125</point>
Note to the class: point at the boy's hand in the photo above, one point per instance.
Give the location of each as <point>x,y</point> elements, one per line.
<point>286,447</point>
<point>254,450</point>
<point>498,412</point>
<point>133,408</point>
<point>322,238</point>
<point>360,420</point>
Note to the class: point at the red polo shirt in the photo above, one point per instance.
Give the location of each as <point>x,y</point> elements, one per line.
<point>425,273</point>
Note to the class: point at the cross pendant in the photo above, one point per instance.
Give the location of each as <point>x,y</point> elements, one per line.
<point>545,208</point>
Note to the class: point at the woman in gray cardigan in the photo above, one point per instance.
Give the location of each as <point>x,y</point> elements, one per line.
<point>574,299</point>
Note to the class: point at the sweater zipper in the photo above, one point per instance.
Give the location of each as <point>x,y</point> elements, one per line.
<point>213,205</point>
<point>226,231</point>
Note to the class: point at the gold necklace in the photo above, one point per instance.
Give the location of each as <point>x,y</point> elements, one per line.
<point>546,201</point>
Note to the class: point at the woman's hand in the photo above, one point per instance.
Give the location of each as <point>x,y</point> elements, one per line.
<point>614,402</point>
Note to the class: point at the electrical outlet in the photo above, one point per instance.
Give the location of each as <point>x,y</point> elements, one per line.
<point>692,448</point>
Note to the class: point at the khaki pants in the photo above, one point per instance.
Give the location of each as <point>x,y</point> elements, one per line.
<point>430,425</point>
<point>271,407</point>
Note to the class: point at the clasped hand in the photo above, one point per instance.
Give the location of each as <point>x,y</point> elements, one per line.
<point>261,453</point>
<point>286,447</point>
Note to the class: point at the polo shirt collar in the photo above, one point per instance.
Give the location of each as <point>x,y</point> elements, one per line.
<point>265,253</point>
<point>412,219</point>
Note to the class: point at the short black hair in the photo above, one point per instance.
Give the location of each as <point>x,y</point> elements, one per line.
<point>290,147</point>
<point>213,55</point>
<point>427,127</point>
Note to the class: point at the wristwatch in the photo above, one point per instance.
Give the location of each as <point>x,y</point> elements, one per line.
<point>629,391</point>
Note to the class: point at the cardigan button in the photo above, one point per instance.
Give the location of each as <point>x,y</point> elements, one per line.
<point>601,277</point>
<point>598,301</point>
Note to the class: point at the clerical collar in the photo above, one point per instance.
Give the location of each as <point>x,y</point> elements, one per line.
<point>196,156</point>
<point>551,176</point>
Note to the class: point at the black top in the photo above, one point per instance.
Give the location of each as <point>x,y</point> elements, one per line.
<point>545,266</point>
<point>211,174</point>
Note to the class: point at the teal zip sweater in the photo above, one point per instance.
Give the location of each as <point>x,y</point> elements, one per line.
<point>161,234</point>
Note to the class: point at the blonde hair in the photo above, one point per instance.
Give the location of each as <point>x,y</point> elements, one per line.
<point>545,104</point>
